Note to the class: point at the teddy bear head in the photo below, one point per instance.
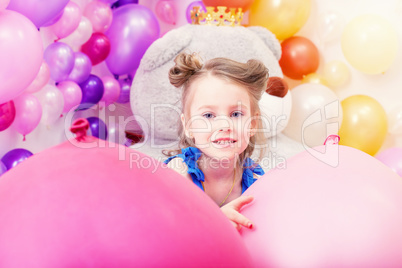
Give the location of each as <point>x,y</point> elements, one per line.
<point>156,103</point>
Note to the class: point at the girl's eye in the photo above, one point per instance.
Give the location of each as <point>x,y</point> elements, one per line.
<point>237,114</point>
<point>208,115</point>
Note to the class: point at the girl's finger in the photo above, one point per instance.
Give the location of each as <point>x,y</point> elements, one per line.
<point>243,200</point>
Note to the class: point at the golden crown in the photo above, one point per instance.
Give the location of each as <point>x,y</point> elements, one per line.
<point>219,18</point>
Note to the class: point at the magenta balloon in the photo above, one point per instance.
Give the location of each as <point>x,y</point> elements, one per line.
<point>112,90</point>
<point>28,112</point>
<point>190,8</point>
<point>392,158</point>
<point>97,48</point>
<point>68,22</point>
<point>133,29</point>
<point>99,204</point>
<point>337,207</point>
<point>38,11</point>
<point>41,79</point>
<point>72,94</point>
<point>82,68</point>
<point>21,54</point>
<point>60,58</point>
<point>7,114</point>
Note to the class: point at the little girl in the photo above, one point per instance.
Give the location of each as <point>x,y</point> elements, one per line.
<point>219,122</point>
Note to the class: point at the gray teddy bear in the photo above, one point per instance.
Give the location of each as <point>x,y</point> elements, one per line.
<point>156,103</point>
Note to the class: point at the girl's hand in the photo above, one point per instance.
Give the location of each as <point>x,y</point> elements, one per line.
<point>232,211</point>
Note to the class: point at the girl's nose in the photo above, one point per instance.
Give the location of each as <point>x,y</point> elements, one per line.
<point>224,129</point>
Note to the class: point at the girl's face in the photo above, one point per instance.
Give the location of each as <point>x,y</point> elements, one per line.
<point>220,117</point>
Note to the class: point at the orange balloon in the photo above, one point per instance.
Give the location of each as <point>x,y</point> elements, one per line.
<point>244,4</point>
<point>299,57</point>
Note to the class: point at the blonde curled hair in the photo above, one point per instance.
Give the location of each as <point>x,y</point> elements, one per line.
<point>252,75</point>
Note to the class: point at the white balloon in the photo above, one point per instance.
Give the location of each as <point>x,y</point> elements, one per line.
<point>329,26</point>
<point>395,120</point>
<point>316,114</point>
<point>52,102</point>
<point>275,112</point>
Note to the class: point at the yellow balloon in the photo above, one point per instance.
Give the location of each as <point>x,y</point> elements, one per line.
<point>370,43</point>
<point>364,125</point>
<point>336,73</point>
<point>314,78</point>
<point>284,18</point>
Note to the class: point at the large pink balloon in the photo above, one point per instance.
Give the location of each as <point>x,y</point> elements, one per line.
<point>98,204</point>
<point>134,28</point>
<point>68,22</point>
<point>21,53</point>
<point>28,112</point>
<point>38,11</point>
<point>111,90</point>
<point>41,79</point>
<point>316,212</point>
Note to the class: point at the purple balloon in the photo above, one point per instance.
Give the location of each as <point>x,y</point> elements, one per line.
<point>134,28</point>
<point>97,128</point>
<point>123,2</point>
<point>392,158</point>
<point>82,68</point>
<point>3,168</point>
<point>7,114</point>
<point>125,86</point>
<point>38,11</point>
<point>60,59</point>
<point>14,157</point>
<point>92,92</point>
<point>190,7</point>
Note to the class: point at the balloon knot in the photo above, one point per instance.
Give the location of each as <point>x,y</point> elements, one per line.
<point>23,139</point>
<point>79,128</point>
<point>332,140</point>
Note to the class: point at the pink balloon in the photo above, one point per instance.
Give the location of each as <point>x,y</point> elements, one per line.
<point>97,48</point>
<point>80,35</point>
<point>72,95</point>
<point>317,212</point>
<point>111,90</point>
<point>166,11</point>
<point>100,15</point>
<point>68,22</point>
<point>7,115</point>
<point>21,53</point>
<point>52,102</point>
<point>392,158</point>
<point>38,11</point>
<point>28,112</point>
<point>98,204</point>
<point>42,78</point>
<point>82,68</point>
<point>4,4</point>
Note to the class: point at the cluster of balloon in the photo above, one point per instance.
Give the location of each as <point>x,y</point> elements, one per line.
<point>90,205</point>
<point>334,206</point>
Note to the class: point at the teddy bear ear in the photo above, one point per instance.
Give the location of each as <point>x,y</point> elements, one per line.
<point>269,39</point>
<point>166,48</point>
